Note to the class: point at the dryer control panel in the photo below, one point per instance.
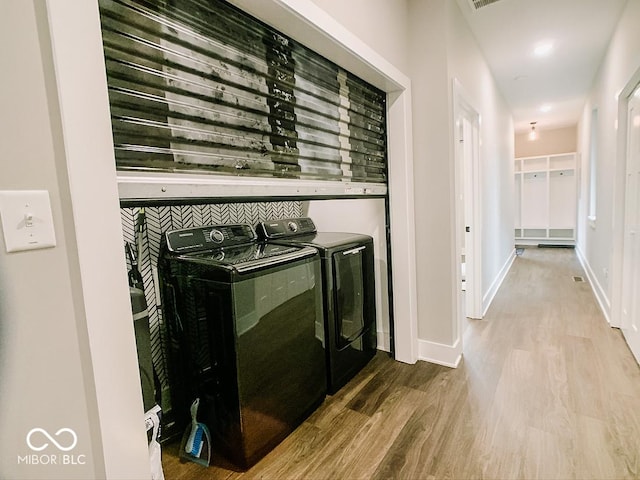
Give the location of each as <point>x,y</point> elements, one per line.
<point>287,227</point>
<point>209,237</point>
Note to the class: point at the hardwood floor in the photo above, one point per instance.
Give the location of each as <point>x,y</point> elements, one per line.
<point>546,390</point>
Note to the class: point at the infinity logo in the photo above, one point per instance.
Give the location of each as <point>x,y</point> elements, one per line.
<point>51,439</point>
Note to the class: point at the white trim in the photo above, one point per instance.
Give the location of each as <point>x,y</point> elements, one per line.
<point>96,229</point>
<point>495,286</point>
<point>464,107</point>
<point>164,186</point>
<point>384,341</point>
<point>598,291</point>
<point>619,200</point>
<point>402,227</point>
<point>532,242</point>
<point>446,355</point>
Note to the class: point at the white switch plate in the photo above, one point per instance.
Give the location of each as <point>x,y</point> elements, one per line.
<point>27,222</point>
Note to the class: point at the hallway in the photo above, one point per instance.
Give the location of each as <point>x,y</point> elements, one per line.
<point>560,388</point>
<point>546,389</point>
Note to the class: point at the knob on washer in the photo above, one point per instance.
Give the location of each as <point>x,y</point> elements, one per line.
<point>216,236</point>
<point>293,226</point>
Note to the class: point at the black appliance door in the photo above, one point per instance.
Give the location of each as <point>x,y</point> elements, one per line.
<point>252,349</point>
<point>349,291</point>
<point>279,352</point>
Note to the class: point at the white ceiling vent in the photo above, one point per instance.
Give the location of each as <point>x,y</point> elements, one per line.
<point>478,4</point>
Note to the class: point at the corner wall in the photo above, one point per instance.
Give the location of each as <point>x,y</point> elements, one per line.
<point>443,49</point>
<point>42,380</point>
<point>468,65</point>
<point>596,240</point>
<point>433,170</point>
<point>46,374</point>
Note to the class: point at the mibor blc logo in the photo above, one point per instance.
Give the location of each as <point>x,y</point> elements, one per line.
<point>50,448</point>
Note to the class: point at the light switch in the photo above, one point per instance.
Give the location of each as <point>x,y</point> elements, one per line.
<point>27,222</point>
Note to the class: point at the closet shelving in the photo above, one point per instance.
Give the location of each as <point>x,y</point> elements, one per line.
<point>545,195</point>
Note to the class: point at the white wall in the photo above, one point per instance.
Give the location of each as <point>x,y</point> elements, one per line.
<point>442,48</point>
<point>596,242</point>
<point>44,381</point>
<point>433,179</point>
<point>549,142</point>
<point>381,24</point>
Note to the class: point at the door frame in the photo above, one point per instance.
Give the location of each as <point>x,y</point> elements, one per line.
<point>617,263</point>
<point>464,108</point>
<point>630,267</point>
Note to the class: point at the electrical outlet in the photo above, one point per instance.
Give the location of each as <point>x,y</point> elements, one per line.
<point>27,222</point>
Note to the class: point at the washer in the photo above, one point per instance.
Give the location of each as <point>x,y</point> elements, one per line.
<point>349,292</point>
<point>243,330</point>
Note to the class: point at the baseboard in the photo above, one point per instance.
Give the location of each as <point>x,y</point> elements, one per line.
<point>446,355</point>
<point>384,341</point>
<point>493,289</point>
<point>598,291</point>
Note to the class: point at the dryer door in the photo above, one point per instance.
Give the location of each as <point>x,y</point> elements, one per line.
<point>348,271</point>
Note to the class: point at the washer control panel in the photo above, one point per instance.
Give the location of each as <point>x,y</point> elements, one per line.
<point>209,237</point>
<point>287,227</point>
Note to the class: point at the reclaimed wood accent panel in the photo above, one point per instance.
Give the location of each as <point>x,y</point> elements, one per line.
<point>200,85</point>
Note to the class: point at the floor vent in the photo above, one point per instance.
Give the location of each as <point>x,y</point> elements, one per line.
<point>578,279</point>
<point>519,250</point>
<point>478,4</point>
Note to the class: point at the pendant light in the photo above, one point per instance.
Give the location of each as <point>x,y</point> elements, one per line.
<point>533,135</point>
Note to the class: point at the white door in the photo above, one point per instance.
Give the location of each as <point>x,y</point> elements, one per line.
<point>468,203</point>
<point>631,250</point>
<point>467,207</point>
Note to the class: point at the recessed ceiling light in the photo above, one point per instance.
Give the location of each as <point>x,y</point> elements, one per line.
<point>545,108</point>
<point>543,49</point>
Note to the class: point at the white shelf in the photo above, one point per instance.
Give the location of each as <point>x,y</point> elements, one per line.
<point>535,164</point>
<point>545,198</point>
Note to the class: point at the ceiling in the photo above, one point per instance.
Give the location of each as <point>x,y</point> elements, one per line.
<point>508,31</point>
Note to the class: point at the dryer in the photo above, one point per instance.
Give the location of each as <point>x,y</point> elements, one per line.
<point>242,320</point>
<point>348,281</point>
